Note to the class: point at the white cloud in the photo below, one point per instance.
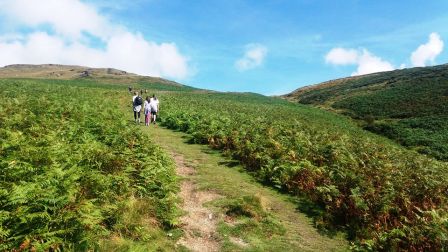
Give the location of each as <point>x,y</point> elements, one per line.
<point>68,17</point>
<point>427,52</point>
<point>369,63</point>
<point>72,25</point>
<point>253,57</point>
<point>366,62</point>
<point>342,56</point>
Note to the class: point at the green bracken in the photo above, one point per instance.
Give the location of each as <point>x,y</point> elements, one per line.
<point>69,182</point>
<point>385,196</point>
<point>409,106</point>
<point>72,170</point>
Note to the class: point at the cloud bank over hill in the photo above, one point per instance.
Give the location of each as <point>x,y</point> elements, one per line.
<point>367,62</point>
<point>74,32</point>
<point>253,57</point>
<point>427,52</point>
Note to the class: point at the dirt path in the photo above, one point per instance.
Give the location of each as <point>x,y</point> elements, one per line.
<point>210,179</point>
<point>199,223</point>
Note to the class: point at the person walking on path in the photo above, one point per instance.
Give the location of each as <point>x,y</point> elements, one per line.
<point>147,110</point>
<point>137,105</point>
<point>154,104</point>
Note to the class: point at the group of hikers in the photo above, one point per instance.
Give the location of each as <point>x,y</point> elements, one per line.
<point>150,107</point>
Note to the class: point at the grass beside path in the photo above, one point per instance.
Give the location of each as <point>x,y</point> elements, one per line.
<point>252,217</point>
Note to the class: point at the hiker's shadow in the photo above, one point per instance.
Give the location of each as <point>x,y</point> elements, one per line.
<point>230,163</point>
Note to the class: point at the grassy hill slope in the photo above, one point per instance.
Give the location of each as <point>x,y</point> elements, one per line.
<point>385,196</point>
<point>67,72</point>
<point>409,106</point>
<point>75,174</point>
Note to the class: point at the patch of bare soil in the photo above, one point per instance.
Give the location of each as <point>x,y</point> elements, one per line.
<point>239,242</point>
<point>199,223</point>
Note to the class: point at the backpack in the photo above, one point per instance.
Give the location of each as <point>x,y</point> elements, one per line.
<point>138,101</point>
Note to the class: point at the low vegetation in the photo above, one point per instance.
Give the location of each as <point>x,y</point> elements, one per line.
<point>68,182</point>
<point>75,175</point>
<point>409,106</point>
<point>248,220</point>
<point>385,196</point>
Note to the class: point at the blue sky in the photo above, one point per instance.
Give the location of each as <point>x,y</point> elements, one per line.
<point>269,47</point>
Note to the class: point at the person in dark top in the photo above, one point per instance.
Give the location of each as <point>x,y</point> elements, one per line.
<point>137,106</point>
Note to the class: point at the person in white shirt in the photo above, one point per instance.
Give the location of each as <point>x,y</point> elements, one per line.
<point>154,104</point>
<point>137,106</point>
<point>147,109</point>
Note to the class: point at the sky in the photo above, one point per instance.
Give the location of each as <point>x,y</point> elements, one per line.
<point>268,47</point>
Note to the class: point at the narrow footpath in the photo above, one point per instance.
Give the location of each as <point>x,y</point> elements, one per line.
<point>227,210</point>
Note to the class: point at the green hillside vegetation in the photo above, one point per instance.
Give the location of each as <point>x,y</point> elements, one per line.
<point>384,195</point>
<point>75,175</point>
<point>409,106</point>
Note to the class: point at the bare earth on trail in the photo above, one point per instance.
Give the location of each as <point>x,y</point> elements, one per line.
<point>199,223</point>
<point>211,183</point>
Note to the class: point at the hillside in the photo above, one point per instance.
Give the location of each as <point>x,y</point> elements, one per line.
<point>409,106</point>
<point>79,174</point>
<point>74,173</point>
<point>67,72</point>
<point>373,188</point>
<point>83,165</point>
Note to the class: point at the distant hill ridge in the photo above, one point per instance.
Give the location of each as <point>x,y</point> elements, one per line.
<point>58,71</point>
<point>409,106</point>
<point>333,89</point>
